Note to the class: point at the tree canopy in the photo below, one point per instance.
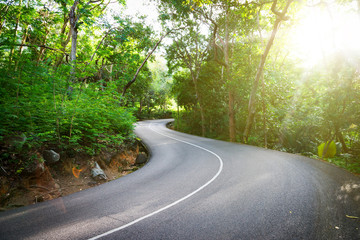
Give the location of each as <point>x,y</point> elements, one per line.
<point>280,74</point>
<point>262,82</point>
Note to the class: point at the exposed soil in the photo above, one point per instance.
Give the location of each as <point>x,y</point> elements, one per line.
<point>65,177</point>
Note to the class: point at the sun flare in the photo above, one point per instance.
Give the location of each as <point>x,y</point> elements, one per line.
<point>325,30</point>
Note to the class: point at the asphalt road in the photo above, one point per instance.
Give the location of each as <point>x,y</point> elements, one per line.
<point>198,188</point>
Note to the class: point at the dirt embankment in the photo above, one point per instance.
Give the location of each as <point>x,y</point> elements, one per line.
<point>67,176</point>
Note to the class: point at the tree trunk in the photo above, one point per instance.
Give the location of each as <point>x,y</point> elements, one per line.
<point>111,72</point>
<point>194,64</point>
<point>341,139</point>
<point>264,112</point>
<point>232,127</point>
<point>73,45</point>
<point>198,97</point>
<point>252,101</point>
<point>15,33</point>
<point>141,106</point>
<point>178,117</point>
<point>203,129</point>
<point>74,31</point>
<point>259,73</point>
<point>64,42</point>
<point>23,40</point>
<point>231,112</point>
<point>42,49</point>
<point>21,47</point>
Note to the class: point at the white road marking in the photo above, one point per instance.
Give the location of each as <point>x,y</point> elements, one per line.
<point>174,203</point>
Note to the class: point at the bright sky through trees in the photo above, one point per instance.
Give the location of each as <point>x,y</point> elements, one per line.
<point>143,7</point>
<point>323,31</point>
<point>139,8</point>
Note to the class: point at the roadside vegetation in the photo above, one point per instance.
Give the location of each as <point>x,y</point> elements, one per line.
<point>276,74</point>
<point>64,66</point>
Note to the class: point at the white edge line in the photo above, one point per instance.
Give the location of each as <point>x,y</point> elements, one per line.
<point>171,204</point>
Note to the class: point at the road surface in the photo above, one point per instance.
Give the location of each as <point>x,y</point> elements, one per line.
<point>198,188</point>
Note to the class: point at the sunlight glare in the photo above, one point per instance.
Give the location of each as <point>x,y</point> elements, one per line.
<point>323,31</point>
<point>136,8</point>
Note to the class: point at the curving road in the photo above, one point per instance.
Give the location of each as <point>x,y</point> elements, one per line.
<point>198,188</point>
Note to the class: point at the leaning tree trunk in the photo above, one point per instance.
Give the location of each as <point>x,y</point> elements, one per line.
<point>252,101</point>
<point>126,87</point>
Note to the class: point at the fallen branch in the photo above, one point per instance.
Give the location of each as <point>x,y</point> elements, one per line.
<point>37,186</point>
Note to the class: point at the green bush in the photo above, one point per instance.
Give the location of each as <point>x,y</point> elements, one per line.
<point>36,103</point>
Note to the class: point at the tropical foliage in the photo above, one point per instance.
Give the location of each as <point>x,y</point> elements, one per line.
<point>63,67</point>
<point>254,89</point>
<point>75,80</point>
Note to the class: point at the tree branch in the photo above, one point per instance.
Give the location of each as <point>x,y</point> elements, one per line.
<point>281,15</point>
<point>147,57</point>
<point>100,43</point>
<point>40,46</point>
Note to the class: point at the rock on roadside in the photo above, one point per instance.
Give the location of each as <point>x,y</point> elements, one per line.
<point>51,156</point>
<point>141,158</point>
<point>97,173</point>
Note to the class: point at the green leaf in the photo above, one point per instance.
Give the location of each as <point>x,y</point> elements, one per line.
<point>327,150</point>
